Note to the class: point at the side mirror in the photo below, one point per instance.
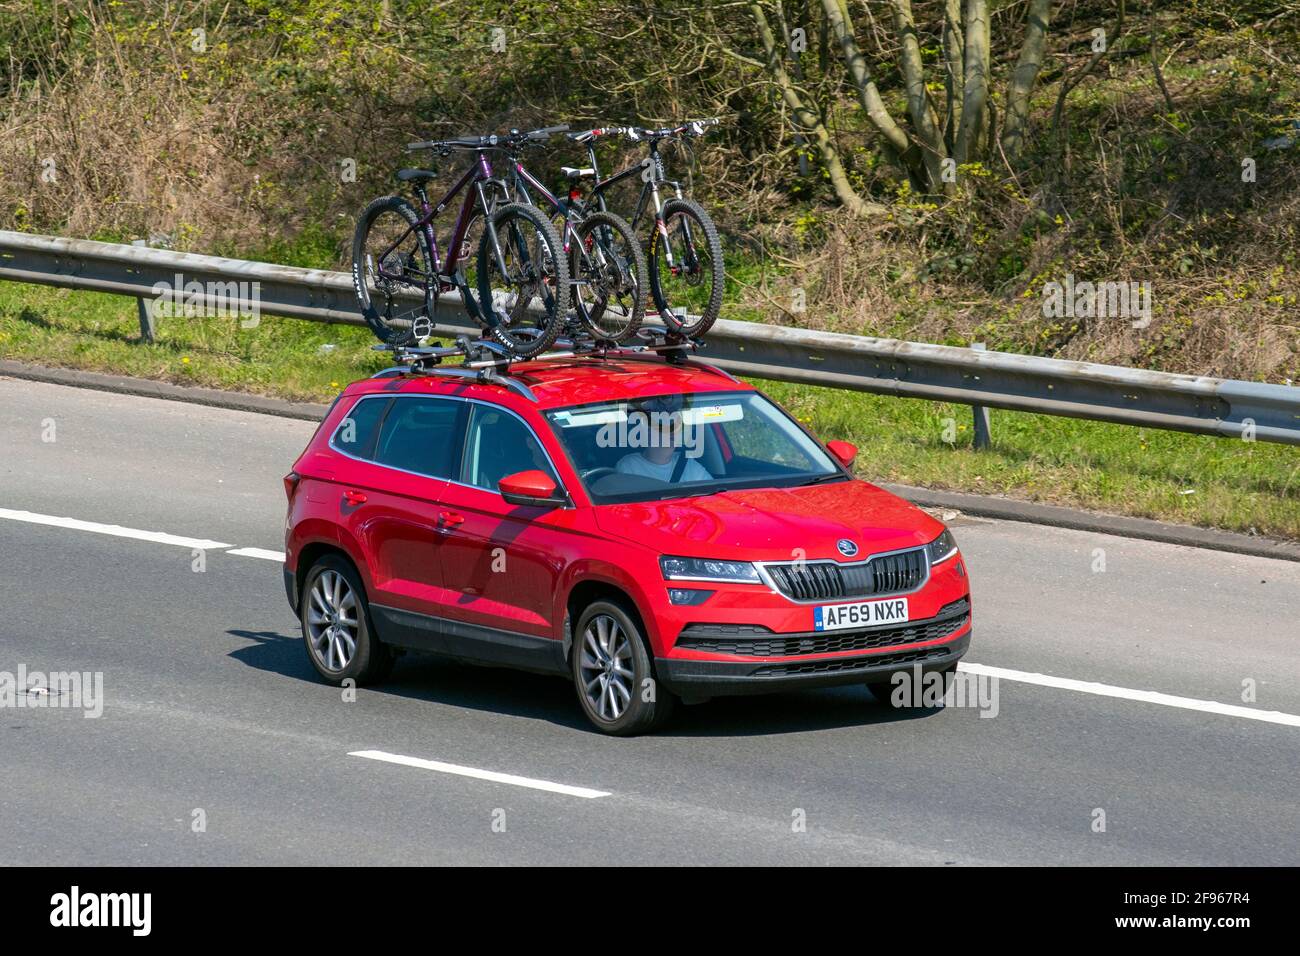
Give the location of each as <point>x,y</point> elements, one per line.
<point>533,489</point>
<point>843,451</point>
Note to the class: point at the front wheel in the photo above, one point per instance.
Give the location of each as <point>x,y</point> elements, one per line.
<point>523,280</point>
<point>613,673</point>
<point>686,271</point>
<point>609,277</point>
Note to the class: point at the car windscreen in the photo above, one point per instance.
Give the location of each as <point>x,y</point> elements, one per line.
<point>680,445</point>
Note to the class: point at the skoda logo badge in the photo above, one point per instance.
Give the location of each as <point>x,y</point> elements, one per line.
<point>846,547</point>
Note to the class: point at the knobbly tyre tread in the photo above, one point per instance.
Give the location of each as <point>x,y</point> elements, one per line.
<point>368,310</point>
<point>559,261</point>
<point>619,225</point>
<point>714,244</point>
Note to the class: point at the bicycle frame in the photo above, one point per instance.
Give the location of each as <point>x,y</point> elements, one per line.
<point>446,273</point>
<point>650,194</point>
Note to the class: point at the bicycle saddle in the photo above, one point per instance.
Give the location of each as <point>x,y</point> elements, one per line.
<point>578,172</point>
<point>415,175</point>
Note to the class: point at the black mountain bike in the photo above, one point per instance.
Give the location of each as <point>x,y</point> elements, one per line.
<point>607,268</point>
<point>520,272</point>
<point>684,251</point>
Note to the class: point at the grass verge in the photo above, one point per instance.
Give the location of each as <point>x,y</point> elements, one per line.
<point>1221,483</point>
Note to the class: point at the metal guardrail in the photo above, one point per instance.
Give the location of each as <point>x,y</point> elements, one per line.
<point>1187,403</point>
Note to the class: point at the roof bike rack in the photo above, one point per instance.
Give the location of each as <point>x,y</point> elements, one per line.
<point>488,363</point>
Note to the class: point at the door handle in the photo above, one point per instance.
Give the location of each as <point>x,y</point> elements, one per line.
<point>450,519</point>
<point>354,498</point>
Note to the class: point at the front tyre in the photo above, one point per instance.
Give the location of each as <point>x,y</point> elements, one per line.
<point>610,277</point>
<point>614,675</point>
<point>523,280</point>
<point>336,625</point>
<point>686,272</point>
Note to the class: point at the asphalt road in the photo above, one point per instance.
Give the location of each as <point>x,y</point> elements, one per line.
<point>212,714</point>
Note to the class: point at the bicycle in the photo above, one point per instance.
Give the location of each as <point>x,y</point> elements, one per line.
<point>606,265</point>
<point>684,251</point>
<point>396,260</point>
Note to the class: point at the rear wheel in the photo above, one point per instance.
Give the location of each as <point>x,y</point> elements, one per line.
<point>391,271</point>
<point>614,675</point>
<point>524,294</point>
<point>686,273</point>
<point>336,626</point>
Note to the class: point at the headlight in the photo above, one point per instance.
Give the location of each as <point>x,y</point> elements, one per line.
<point>942,548</point>
<point>706,569</point>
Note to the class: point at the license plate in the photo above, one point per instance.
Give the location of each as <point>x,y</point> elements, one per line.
<point>833,617</point>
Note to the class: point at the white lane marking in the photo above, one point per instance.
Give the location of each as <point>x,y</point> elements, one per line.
<point>1025,677</point>
<point>1126,693</point>
<point>492,775</point>
<point>117,531</point>
<point>262,553</point>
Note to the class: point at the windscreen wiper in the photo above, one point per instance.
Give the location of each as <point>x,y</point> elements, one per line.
<point>818,479</point>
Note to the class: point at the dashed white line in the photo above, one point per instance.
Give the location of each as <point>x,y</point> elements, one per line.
<point>1025,677</point>
<point>117,531</point>
<point>1127,693</point>
<point>492,775</point>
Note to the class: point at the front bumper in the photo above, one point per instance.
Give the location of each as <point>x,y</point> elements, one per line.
<point>714,678</point>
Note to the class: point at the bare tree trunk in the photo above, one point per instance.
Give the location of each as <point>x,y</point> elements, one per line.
<point>924,120</point>
<point>860,74</point>
<point>809,120</point>
<point>799,141</point>
<point>976,93</point>
<point>954,80</point>
<point>1024,77</point>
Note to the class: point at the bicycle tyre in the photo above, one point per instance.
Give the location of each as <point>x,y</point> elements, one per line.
<point>553,276</point>
<point>579,263</point>
<point>380,324</point>
<point>711,244</point>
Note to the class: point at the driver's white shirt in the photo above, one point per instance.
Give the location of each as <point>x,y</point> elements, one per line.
<point>638,464</point>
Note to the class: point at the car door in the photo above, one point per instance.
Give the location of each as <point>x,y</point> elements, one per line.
<point>391,499</point>
<point>504,561</point>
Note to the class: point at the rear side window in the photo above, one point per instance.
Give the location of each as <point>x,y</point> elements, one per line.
<point>356,433</point>
<point>421,435</point>
<point>498,444</point>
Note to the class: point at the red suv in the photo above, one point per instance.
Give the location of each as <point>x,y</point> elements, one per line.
<point>654,531</point>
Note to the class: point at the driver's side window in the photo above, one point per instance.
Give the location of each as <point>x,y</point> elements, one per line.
<point>498,444</point>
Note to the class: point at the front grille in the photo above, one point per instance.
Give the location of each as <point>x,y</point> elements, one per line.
<point>827,580</point>
<point>857,663</point>
<point>756,641</point>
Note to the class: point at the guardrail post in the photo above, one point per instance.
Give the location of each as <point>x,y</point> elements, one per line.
<point>983,437</point>
<point>146,307</point>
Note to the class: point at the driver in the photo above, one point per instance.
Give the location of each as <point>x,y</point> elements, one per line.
<point>663,458</point>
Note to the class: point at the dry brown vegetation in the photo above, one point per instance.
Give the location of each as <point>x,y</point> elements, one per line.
<point>238,147</point>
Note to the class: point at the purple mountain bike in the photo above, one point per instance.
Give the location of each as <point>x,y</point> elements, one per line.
<point>516,287</point>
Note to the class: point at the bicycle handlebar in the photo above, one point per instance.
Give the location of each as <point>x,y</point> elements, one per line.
<point>514,137</point>
<point>462,142</point>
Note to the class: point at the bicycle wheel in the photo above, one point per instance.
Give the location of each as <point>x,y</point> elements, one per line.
<point>524,295</point>
<point>686,272</point>
<point>391,271</point>
<point>609,277</point>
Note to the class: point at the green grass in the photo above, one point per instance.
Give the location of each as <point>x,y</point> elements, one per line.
<point>1222,483</point>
